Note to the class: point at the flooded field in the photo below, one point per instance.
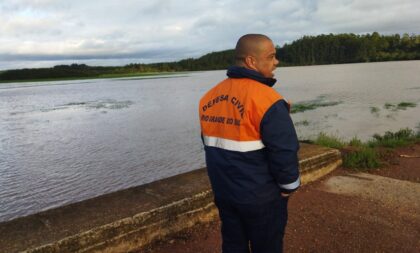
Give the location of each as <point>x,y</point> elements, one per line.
<point>65,141</point>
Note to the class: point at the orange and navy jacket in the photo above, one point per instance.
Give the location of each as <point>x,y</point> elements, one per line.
<point>249,139</point>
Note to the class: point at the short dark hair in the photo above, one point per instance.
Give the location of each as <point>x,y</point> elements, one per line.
<point>248,44</point>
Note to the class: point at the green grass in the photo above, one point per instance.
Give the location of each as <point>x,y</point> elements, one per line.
<point>329,141</point>
<point>403,137</point>
<point>405,105</point>
<point>399,106</point>
<point>366,155</point>
<point>355,142</point>
<point>136,74</point>
<point>306,106</point>
<point>374,110</point>
<point>362,158</point>
<point>389,106</point>
<point>302,123</point>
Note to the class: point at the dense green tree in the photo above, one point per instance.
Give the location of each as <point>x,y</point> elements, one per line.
<point>308,50</point>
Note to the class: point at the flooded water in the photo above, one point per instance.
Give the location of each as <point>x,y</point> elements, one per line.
<point>62,142</point>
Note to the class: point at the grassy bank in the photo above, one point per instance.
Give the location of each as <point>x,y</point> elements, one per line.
<point>371,154</point>
<point>103,76</point>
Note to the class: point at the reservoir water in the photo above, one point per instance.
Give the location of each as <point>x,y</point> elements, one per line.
<point>65,141</point>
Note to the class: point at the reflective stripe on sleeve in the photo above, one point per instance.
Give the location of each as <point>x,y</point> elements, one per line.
<point>240,146</point>
<point>291,186</point>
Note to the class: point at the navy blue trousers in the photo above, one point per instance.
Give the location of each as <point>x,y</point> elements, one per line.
<point>256,228</point>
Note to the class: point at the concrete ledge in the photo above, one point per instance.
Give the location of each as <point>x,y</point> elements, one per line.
<point>316,162</point>
<point>130,219</point>
<point>133,232</point>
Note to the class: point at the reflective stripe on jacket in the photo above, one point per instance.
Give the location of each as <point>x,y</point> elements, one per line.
<point>250,141</point>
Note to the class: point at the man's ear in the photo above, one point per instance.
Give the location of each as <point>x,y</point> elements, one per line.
<point>250,62</point>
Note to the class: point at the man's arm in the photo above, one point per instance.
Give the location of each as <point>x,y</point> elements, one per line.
<point>279,136</point>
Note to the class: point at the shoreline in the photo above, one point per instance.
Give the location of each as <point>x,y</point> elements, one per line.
<point>106,76</point>
<point>151,74</point>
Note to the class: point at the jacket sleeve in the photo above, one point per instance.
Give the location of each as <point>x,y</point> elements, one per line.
<point>279,136</point>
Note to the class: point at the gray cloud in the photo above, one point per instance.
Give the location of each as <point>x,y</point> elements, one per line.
<point>39,32</point>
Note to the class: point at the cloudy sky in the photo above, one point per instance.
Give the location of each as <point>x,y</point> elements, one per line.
<point>38,33</point>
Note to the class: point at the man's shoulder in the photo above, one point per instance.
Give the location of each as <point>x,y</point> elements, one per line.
<point>262,93</point>
<point>246,87</point>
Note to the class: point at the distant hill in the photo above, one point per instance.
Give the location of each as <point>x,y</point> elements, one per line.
<point>308,50</point>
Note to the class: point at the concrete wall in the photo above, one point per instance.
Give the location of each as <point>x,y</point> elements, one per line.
<point>130,219</point>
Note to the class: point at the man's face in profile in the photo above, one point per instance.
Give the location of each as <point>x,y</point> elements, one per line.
<point>266,61</point>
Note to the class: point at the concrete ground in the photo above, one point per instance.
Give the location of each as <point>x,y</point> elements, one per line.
<point>346,211</point>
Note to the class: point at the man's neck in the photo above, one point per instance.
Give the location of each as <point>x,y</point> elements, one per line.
<point>244,72</point>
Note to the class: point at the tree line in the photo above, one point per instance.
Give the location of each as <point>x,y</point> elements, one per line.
<point>350,48</point>
<point>308,50</point>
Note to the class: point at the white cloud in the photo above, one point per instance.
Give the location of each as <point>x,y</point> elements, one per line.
<point>360,16</point>
<point>119,31</point>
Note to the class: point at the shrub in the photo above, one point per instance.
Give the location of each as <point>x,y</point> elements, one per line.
<point>363,158</point>
<point>359,155</point>
<point>400,138</point>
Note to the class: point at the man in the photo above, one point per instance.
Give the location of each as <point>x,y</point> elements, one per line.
<point>251,150</point>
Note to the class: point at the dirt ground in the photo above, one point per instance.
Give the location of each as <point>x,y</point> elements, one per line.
<point>322,221</point>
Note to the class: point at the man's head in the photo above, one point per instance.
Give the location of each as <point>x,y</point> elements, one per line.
<point>256,52</point>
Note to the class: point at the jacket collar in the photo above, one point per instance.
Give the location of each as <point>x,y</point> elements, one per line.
<point>241,72</point>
